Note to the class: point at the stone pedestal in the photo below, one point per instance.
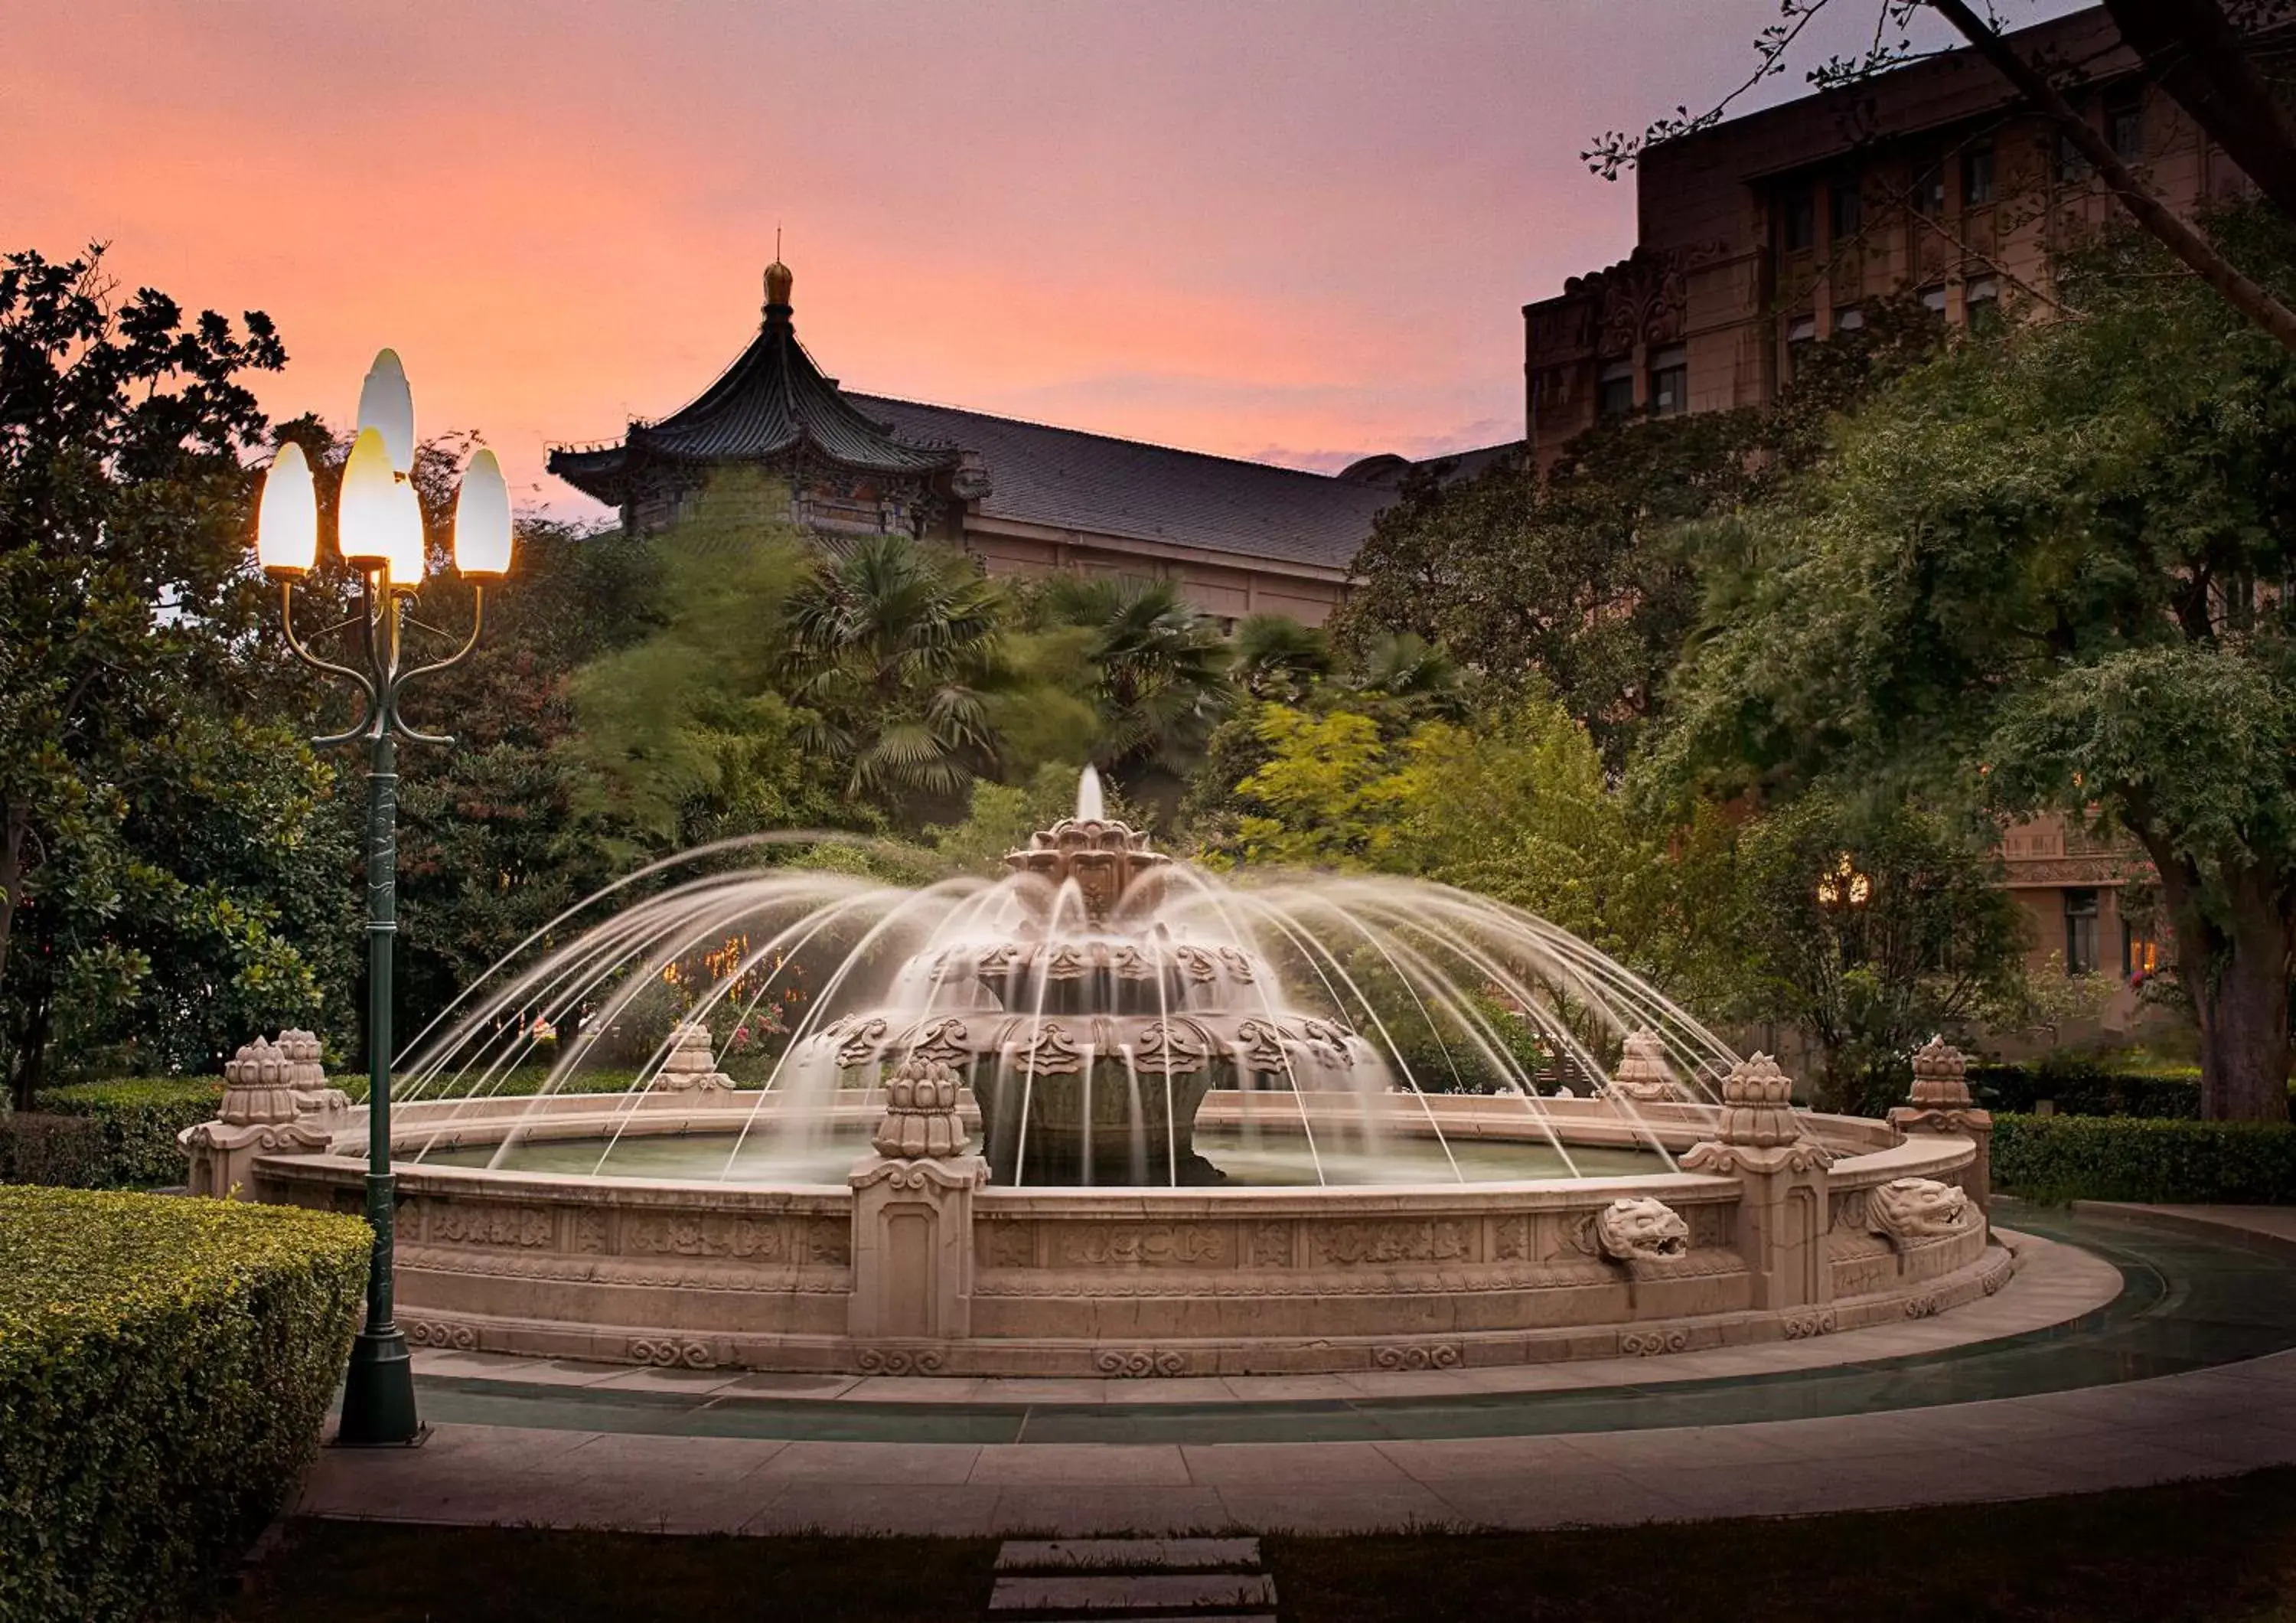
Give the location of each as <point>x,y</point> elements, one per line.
<point>1786,1209</point>
<point>912,1226</point>
<point>262,1112</point>
<point>1941,1105</point>
<point>691,1065</point>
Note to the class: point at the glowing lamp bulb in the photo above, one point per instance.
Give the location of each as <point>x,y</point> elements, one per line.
<point>386,403</point>
<point>287,516</point>
<point>380,520</point>
<point>482,519</point>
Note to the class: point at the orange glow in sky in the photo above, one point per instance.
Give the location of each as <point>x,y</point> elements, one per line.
<point>1300,230</point>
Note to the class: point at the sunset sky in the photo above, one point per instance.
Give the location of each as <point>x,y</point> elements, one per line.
<point>1300,230</point>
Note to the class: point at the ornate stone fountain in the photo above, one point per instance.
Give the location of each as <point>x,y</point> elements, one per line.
<point>1088,1034</point>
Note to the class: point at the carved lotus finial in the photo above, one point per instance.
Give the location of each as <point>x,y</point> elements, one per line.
<point>1642,1075</point>
<point>258,1087</point>
<point>1758,1105</point>
<point>1941,1076</point>
<point>920,1122</point>
<point>692,1064</point>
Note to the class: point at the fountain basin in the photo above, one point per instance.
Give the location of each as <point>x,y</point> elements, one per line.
<point>1075,1281</point>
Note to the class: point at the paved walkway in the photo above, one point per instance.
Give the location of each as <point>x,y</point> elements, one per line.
<point>2232,1416</point>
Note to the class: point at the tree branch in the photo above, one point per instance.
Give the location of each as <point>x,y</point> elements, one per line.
<point>2164,223</point>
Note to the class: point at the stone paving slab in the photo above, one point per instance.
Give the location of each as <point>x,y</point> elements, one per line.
<point>1132,1592</point>
<point>1133,1554</point>
<point>2211,1421</point>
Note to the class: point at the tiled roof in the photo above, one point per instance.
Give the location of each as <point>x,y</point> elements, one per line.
<point>1067,479</point>
<point>770,401</point>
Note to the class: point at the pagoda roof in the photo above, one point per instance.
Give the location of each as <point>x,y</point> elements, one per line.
<point>773,401</point>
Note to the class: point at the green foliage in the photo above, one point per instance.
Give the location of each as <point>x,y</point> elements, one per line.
<point>41,1147</point>
<point>2122,1157</point>
<point>2043,568</point>
<point>165,1366</point>
<point>894,644</point>
<point>1157,671</point>
<point>133,904</point>
<point>138,1119</point>
<point>1872,927</point>
<point>688,734</point>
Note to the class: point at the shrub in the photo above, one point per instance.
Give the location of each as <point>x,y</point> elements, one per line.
<point>2089,1087</point>
<point>140,1117</point>
<point>63,1150</point>
<point>2122,1157</point>
<point>165,1366</point>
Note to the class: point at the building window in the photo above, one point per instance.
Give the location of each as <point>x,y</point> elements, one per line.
<point>1614,391</point>
<point>2124,122</point>
<point>1850,320</point>
<point>1801,338</point>
<point>1981,299</point>
<point>1845,209</point>
<point>1933,299</point>
<point>2080,932</point>
<point>1977,176</point>
<point>1669,381</point>
<point>1928,195</point>
<point>2140,953</point>
<point>1798,220</point>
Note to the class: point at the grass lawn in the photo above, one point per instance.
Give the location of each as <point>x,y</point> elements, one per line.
<point>2205,1552</point>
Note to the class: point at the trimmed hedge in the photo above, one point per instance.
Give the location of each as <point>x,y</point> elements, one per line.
<point>2085,1087</point>
<point>165,1366</point>
<point>140,1117</point>
<point>66,1152</point>
<point>2105,1158</point>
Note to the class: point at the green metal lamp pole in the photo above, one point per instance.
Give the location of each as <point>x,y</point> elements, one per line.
<point>380,535</point>
<point>378,1391</point>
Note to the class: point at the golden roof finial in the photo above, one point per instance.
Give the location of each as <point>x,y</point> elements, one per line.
<point>777,275</point>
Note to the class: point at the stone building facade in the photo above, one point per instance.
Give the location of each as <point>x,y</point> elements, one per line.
<point>1763,235</point>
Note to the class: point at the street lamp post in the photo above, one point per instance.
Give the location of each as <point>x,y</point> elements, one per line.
<point>379,533</point>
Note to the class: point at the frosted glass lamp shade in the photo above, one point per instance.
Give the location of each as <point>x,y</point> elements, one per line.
<point>482,519</point>
<point>379,521</point>
<point>387,404</point>
<point>287,516</point>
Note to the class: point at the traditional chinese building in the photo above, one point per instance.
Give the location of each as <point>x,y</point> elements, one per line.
<point>1240,538</point>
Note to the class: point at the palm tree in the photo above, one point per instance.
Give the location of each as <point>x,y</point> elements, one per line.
<point>1160,671</point>
<point>894,643</point>
<point>1280,660</point>
<point>1417,675</point>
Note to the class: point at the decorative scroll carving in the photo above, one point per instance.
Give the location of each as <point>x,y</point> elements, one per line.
<point>900,1361</point>
<point>1650,1343</point>
<point>1165,1048</point>
<point>440,1333</point>
<point>943,1040</point>
<point>1011,1245</point>
<point>670,1353</point>
<point>863,1041</point>
<point>1921,1307</point>
<point>1349,1244</point>
<point>1641,1229</point>
<point>1262,1042</point>
<point>1138,1362</point>
<point>1053,1052</point>
<point>1156,1245</point>
<point>523,1227</point>
<point>1419,1356</point>
<point>1817,1322</point>
<point>1271,1245</point>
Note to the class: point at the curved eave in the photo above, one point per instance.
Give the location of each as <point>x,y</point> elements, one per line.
<point>597,473</point>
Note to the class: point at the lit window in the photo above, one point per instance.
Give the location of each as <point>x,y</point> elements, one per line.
<point>2080,932</point>
<point>1669,381</point>
<point>2124,122</point>
<point>1801,338</point>
<point>1933,299</point>
<point>1928,195</point>
<point>1798,220</point>
<point>1982,300</point>
<point>1845,209</point>
<point>1976,176</point>
<point>1614,395</point>
<point>2140,953</point>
